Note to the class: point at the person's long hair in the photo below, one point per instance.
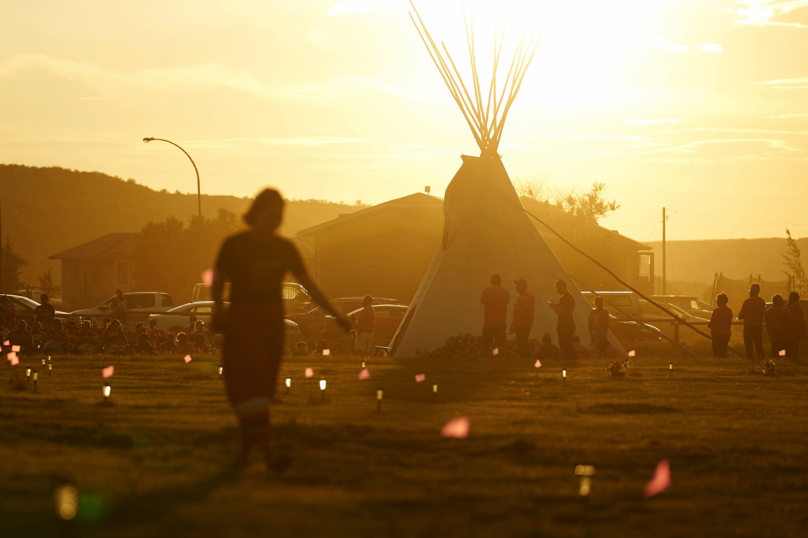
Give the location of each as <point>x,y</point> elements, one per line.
<point>268,200</point>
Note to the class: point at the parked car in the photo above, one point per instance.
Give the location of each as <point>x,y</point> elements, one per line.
<point>626,301</point>
<point>652,314</point>
<point>631,331</point>
<point>295,297</point>
<point>312,321</point>
<point>25,309</point>
<point>388,318</point>
<point>178,317</point>
<point>140,304</point>
<point>688,303</point>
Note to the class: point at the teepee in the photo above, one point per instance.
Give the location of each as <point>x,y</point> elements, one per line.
<point>486,230</point>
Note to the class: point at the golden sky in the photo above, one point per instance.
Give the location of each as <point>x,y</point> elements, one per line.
<point>700,106</point>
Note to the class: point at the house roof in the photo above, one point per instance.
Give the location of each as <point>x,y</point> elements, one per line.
<point>418,199</point>
<point>99,248</point>
<point>20,259</point>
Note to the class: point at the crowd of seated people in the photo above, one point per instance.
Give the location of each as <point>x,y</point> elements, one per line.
<point>87,338</point>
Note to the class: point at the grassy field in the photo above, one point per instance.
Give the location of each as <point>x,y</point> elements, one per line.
<point>155,463</point>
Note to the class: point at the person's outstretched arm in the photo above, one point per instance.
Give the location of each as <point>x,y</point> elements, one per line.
<point>299,270</point>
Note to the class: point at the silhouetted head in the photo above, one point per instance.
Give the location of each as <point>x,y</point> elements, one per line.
<point>22,325</point>
<point>57,324</point>
<point>521,285</point>
<point>496,280</point>
<point>266,211</point>
<point>546,339</point>
<point>152,323</point>
<point>85,326</point>
<point>793,297</point>
<point>754,290</point>
<point>182,338</point>
<point>171,338</point>
<point>561,286</point>
<point>599,302</point>
<point>367,300</point>
<point>777,300</point>
<point>198,325</point>
<point>192,320</point>
<point>722,299</point>
<point>43,298</point>
<point>301,345</point>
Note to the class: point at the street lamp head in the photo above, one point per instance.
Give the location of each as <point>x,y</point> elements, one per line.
<point>147,140</point>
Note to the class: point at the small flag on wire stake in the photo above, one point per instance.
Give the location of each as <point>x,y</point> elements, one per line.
<point>108,372</point>
<point>420,377</point>
<point>457,428</point>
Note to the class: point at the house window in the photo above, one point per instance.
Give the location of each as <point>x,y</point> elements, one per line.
<point>122,272</point>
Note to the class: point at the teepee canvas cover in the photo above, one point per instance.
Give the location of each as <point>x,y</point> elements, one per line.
<point>485,232</point>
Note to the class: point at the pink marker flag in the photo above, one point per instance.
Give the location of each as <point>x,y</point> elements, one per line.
<point>187,359</point>
<point>108,371</point>
<point>309,372</point>
<point>326,352</point>
<point>6,343</point>
<point>457,428</point>
<point>15,349</point>
<point>782,353</point>
<point>420,377</point>
<point>207,276</point>
<point>496,351</point>
<point>632,353</point>
<point>661,480</point>
<point>538,363</point>
<point>364,374</point>
<point>13,359</point>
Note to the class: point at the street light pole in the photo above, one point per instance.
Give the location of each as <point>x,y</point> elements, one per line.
<point>198,185</point>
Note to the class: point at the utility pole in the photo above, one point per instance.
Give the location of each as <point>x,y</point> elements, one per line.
<point>664,260</point>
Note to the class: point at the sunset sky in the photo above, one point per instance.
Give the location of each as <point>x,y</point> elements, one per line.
<point>700,106</point>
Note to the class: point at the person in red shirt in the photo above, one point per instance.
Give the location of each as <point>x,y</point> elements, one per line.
<point>156,334</point>
<point>798,321</point>
<point>191,327</point>
<point>566,324</point>
<point>721,326</point>
<point>169,347</point>
<point>495,313</point>
<point>779,326</point>
<point>523,309</point>
<point>598,325</point>
<point>184,347</point>
<point>365,326</point>
<point>752,315</point>
<point>581,351</point>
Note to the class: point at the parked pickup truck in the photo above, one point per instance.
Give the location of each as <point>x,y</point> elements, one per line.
<point>140,305</point>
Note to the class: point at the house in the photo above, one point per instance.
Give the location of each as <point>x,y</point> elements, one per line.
<point>385,250</point>
<point>91,272</point>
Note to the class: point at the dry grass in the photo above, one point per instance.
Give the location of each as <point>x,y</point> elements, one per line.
<point>153,464</point>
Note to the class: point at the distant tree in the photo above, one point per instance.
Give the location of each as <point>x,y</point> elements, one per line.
<point>170,256</point>
<point>537,187</point>
<point>792,260</point>
<point>46,284</point>
<point>11,269</point>
<point>589,205</point>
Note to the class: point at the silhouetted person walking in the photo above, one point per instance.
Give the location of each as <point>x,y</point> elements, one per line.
<point>721,326</point>
<point>495,313</point>
<point>779,326</point>
<point>797,320</point>
<point>524,308</point>
<point>598,326</point>
<point>752,315</point>
<point>44,313</point>
<point>566,323</point>
<point>255,262</point>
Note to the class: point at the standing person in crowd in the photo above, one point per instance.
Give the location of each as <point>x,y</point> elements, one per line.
<point>524,308</point>
<point>121,308</point>
<point>21,336</point>
<point>779,326</point>
<point>191,326</point>
<point>798,321</point>
<point>495,301</point>
<point>752,315</point>
<point>44,313</point>
<point>365,326</point>
<point>566,323</point>
<point>255,262</point>
<point>598,325</point>
<point>721,326</point>
<point>8,312</point>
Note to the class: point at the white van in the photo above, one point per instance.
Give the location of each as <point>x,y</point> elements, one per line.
<point>623,305</point>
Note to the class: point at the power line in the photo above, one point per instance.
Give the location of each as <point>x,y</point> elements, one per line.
<point>739,218</point>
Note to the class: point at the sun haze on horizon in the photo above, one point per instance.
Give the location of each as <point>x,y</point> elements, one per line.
<point>694,105</point>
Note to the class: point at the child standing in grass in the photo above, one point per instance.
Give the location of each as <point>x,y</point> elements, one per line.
<point>721,326</point>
